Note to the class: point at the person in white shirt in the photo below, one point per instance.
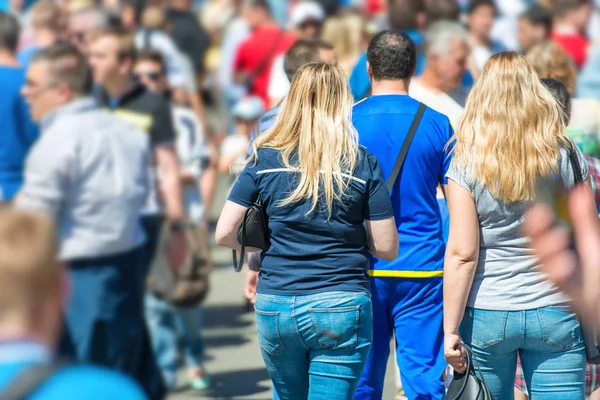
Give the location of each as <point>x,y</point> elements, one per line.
<point>481,16</point>
<point>234,149</point>
<point>167,322</point>
<point>306,20</point>
<point>447,51</point>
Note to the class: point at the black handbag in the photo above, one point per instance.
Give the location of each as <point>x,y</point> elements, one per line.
<point>254,232</point>
<point>466,385</point>
<point>591,338</point>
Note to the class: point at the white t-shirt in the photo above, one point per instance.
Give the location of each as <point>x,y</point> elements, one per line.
<point>440,102</point>
<point>161,42</point>
<point>585,115</point>
<point>230,146</point>
<point>192,152</point>
<point>279,84</point>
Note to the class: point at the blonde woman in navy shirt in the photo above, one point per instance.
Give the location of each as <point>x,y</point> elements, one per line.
<point>328,208</point>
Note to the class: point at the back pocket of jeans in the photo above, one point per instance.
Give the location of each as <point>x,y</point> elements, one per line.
<point>485,328</point>
<point>560,327</point>
<point>267,324</point>
<point>336,328</point>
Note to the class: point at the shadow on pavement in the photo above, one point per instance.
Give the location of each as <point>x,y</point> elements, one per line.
<point>225,316</point>
<point>233,384</point>
<point>212,342</point>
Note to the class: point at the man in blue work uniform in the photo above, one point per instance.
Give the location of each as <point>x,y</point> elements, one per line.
<point>407,292</point>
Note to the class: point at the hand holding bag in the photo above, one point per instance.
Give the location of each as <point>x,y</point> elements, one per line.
<point>254,232</point>
<point>467,386</point>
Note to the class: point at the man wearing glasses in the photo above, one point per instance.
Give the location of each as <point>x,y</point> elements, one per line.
<point>90,171</point>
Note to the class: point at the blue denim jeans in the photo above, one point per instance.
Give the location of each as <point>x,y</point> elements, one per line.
<point>548,340</point>
<point>167,324</point>
<point>316,346</point>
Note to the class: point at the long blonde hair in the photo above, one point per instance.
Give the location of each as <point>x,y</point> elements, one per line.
<point>512,129</point>
<point>315,121</point>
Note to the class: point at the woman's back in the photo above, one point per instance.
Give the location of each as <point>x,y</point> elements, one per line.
<point>313,251</point>
<point>508,276</point>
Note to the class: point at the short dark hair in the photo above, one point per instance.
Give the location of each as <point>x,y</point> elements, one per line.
<point>9,32</point>
<point>539,15</point>
<point>392,55</point>
<point>154,56</point>
<point>67,65</point>
<point>443,10</point>
<point>561,7</point>
<point>561,94</point>
<point>264,4</point>
<point>475,4</point>
<point>126,48</point>
<point>302,52</point>
<point>403,13</point>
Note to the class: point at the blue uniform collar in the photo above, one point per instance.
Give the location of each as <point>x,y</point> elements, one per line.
<point>24,351</point>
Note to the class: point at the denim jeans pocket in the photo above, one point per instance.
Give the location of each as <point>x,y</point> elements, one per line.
<point>485,328</point>
<point>336,328</point>
<point>268,331</point>
<point>560,327</point>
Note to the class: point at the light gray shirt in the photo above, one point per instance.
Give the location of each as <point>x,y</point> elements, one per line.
<point>91,171</point>
<point>508,276</point>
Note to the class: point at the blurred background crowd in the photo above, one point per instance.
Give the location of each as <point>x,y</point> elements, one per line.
<point>220,66</point>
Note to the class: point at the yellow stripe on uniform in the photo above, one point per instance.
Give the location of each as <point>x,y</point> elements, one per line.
<point>377,273</point>
<point>360,101</point>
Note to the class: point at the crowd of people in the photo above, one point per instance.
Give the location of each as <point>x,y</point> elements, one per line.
<point>396,147</point>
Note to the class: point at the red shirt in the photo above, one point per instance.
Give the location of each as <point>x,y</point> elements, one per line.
<point>574,44</point>
<point>252,53</point>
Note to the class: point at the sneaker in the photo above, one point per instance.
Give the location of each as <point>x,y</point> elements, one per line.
<point>199,383</point>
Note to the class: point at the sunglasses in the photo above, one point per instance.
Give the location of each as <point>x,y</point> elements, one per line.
<point>153,76</point>
<point>311,23</point>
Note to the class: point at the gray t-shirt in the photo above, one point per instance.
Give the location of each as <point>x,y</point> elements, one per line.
<point>508,276</point>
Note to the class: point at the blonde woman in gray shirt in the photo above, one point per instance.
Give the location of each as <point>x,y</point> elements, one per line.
<point>496,299</point>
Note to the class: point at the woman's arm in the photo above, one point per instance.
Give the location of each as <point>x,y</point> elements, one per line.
<point>228,226</point>
<point>460,264</point>
<point>383,238</point>
<point>229,223</point>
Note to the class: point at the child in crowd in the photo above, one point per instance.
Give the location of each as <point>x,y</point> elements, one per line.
<point>234,149</point>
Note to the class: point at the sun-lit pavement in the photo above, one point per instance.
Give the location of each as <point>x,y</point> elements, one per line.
<point>232,354</point>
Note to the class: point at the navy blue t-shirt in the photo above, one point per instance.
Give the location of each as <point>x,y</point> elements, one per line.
<point>313,253</point>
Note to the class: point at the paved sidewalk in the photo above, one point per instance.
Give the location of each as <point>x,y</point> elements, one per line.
<point>232,354</point>
<point>233,358</point>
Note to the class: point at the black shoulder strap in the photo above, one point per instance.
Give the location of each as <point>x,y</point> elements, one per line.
<point>577,176</point>
<point>147,33</point>
<point>404,150</point>
<point>31,379</point>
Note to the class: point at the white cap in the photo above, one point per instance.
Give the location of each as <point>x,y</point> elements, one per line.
<point>249,108</point>
<point>305,11</point>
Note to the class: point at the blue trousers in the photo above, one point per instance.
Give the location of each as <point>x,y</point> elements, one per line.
<point>104,317</point>
<point>314,347</point>
<point>413,310</point>
<point>167,324</point>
